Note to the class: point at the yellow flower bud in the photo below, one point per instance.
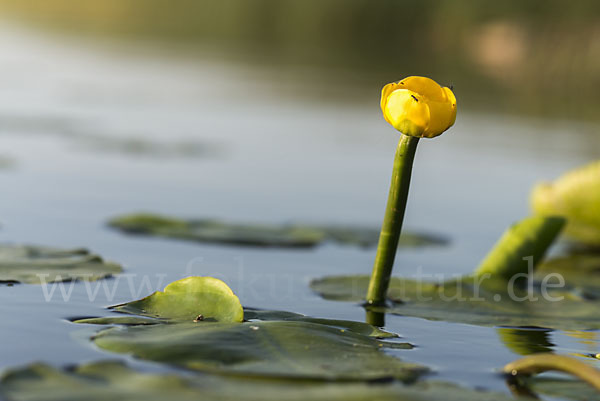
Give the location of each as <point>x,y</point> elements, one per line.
<point>418,106</point>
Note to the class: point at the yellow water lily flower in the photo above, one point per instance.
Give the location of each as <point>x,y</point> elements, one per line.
<point>418,106</point>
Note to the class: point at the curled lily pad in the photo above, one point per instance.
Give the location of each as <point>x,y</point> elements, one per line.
<point>37,265</point>
<point>491,302</point>
<point>115,381</point>
<point>284,349</point>
<point>576,196</point>
<point>189,299</point>
<point>526,242</point>
<point>287,235</point>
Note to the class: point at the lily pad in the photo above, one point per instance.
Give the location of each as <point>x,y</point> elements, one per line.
<point>492,303</point>
<point>284,349</point>
<point>115,381</point>
<point>189,299</point>
<point>356,327</point>
<point>286,235</point>
<point>195,323</point>
<point>37,265</point>
<point>575,196</point>
<point>256,315</point>
<point>580,270</point>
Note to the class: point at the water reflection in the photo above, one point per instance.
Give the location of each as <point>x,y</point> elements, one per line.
<point>535,340</point>
<point>590,341</point>
<point>526,341</point>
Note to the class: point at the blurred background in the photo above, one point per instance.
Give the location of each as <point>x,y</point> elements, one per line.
<point>536,57</point>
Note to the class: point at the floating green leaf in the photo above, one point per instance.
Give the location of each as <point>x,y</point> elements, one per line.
<point>487,302</point>
<point>114,381</point>
<point>287,235</point>
<point>35,265</point>
<point>356,327</point>
<point>522,244</point>
<point>189,299</point>
<point>286,349</point>
<point>253,315</point>
<point>576,196</point>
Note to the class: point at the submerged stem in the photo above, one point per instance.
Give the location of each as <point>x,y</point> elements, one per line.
<point>392,222</point>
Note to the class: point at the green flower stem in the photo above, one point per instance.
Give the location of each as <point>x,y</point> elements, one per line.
<point>392,222</point>
<point>540,363</point>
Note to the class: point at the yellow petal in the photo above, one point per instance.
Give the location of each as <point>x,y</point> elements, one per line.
<point>407,111</point>
<point>424,86</point>
<point>385,92</point>
<point>442,117</point>
<point>452,99</point>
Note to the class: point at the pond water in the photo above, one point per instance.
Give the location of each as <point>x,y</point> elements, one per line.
<point>96,130</point>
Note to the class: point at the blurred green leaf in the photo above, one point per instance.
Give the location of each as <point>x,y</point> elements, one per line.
<point>558,388</point>
<point>286,235</point>
<point>114,381</point>
<point>35,265</point>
